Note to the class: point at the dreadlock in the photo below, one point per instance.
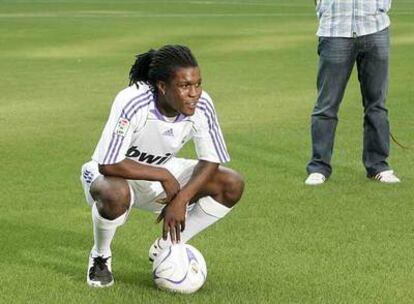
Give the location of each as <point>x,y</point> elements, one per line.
<point>161,64</point>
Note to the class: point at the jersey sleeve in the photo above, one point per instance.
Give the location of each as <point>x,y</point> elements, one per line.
<point>124,118</point>
<point>208,138</point>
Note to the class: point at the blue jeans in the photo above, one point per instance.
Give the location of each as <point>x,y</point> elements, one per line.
<point>337,57</point>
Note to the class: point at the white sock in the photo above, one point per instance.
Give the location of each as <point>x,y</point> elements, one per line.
<point>205,212</point>
<point>104,231</point>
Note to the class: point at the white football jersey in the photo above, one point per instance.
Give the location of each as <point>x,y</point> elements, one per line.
<point>138,131</point>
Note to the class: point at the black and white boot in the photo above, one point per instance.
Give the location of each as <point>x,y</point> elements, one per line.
<point>99,271</point>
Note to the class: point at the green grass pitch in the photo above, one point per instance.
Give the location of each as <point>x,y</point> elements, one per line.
<point>61,64</point>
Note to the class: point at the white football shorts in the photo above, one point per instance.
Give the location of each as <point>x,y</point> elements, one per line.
<point>147,195</point>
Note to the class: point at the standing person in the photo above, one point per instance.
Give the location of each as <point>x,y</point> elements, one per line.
<point>352,31</point>
<point>134,163</point>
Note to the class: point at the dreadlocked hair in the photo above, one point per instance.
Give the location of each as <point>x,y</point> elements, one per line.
<point>161,64</point>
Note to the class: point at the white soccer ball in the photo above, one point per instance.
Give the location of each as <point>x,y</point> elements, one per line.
<point>180,268</point>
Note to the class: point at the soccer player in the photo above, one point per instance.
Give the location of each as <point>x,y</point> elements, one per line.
<point>134,163</point>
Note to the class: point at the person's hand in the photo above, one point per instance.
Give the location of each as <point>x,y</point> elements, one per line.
<point>171,187</point>
<point>174,219</point>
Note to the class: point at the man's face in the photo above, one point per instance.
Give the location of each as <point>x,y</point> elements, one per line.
<point>184,90</point>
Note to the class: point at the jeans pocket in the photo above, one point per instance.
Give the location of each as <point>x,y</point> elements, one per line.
<point>321,41</point>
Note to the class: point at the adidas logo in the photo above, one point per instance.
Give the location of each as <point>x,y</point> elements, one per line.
<point>169,132</point>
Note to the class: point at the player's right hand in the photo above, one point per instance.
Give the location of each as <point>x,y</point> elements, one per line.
<point>171,186</point>
<point>173,215</point>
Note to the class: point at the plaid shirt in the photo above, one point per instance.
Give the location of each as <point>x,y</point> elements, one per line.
<point>351,18</point>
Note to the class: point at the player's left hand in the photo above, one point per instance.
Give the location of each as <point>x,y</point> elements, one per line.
<point>174,219</point>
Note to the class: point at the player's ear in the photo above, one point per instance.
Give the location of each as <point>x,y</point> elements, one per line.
<point>162,87</point>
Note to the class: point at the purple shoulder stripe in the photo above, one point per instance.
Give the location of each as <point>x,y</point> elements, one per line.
<point>137,98</point>
<point>115,147</point>
<point>108,152</point>
<point>215,132</point>
<point>118,141</point>
<point>211,113</point>
<point>131,108</point>
<point>128,111</point>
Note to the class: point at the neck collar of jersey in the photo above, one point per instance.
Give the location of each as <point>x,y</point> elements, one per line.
<point>159,116</point>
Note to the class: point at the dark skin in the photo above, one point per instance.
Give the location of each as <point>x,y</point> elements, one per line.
<point>111,192</point>
<point>181,93</point>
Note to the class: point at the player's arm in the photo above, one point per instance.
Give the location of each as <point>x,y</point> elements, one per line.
<point>116,140</point>
<point>174,213</point>
<point>130,169</point>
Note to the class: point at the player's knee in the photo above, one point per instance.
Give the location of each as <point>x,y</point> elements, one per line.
<point>112,197</point>
<point>233,187</point>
